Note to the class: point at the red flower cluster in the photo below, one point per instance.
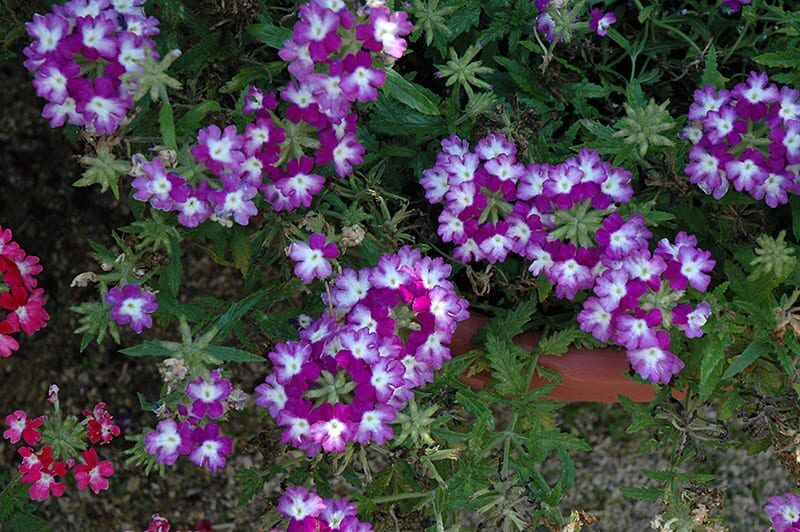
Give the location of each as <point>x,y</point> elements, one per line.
<point>42,470</point>
<point>19,296</point>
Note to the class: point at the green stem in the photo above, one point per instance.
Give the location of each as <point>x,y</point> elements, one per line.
<point>679,33</point>
<point>733,48</point>
<point>507,446</point>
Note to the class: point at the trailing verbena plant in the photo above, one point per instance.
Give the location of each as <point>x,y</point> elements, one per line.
<point>376,183</point>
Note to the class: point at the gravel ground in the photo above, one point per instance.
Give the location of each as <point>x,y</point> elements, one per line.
<point>54,221</point>
<point>747,481</point>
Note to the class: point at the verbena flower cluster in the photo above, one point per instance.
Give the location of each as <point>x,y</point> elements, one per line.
<point>190,433</point>
<point>79,53</point>
<point>748,137</point>
<point>20,298</point>
<point>636,297</point>
<point>559,19</point>
<point>385,333</point>
<point>132,306</point>
<point>333,59</point>
<point>308,511</point>
<point>784,512</point>
<point>494,205</point>
<point>563,218</point>
<point>45,468</point>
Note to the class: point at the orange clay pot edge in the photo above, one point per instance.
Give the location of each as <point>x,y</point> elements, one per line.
<point>596,376</point>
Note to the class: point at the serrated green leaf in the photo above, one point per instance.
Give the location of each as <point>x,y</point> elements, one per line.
<point>250,481</point>
<point>558,342</point>
<point>710,72</point>
<point>171,273</point>
<point>752,352</point>
<point>473,403</point>
<point>409,93</point>
<point>191,119</point>
<point>238,310</point>
<point>506,366</point>
<point>711,366</point>
<point>152,348</point>
<point>784,59</point>
<point>166,126</point>
<point>509,323</point>
<point>220,353</point>
<point>269,34</point>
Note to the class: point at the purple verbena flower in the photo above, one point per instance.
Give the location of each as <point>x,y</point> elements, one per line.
<point>131,306</point>
<point>208,394</point>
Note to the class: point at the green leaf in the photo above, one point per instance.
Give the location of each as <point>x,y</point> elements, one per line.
<point>506,365</point>
<point>645,13</point>
<point>619,39</point>
<point>152,348</point>
<point>509,323</point>
<point>558,342</point>
<point>192,119</point>
<point>144,404</point>
<point>752,352</point>
<point>784,59</point>
<point>710,72</point>
<point>171,273</point>
<point>463,19</point>
<point>567,469</point>
<point>166,126</point>
<point>524,77</point>
<point>237,311</point>
<point>250,74</point>
<point>474,403</point>
<point>635,94</point>
<point>250,481</point>
<point>26,522</point>
<point>269,34</point>
<point>241,250</point>
<point>555,439</point>
<point>711,366</point>
<point>396,120</point>
<point>409,93</point>
<point>220,353</point>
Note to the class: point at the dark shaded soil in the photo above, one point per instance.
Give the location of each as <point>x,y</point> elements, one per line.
<point>55,221</point>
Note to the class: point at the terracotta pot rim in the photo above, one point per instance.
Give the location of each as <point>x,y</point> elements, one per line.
<point>589,375</point>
